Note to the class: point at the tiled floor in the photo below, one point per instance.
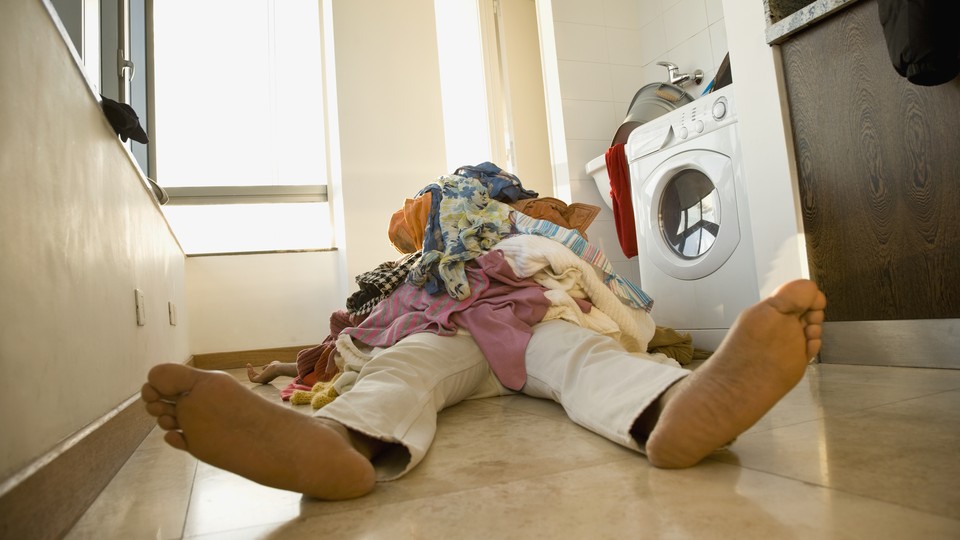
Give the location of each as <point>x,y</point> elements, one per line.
<point>852,452</point>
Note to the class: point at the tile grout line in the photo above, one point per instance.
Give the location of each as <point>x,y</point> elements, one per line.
<point>193,483</point>
<point>848,413</point>
<point>831,488</point>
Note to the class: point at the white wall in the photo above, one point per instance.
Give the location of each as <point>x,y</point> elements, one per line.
<point>261,301</point>
<point>79,231</point>
<point>391,120</point>
<point>524,74</point>
<point>608,50</point>
<point>768,160</point>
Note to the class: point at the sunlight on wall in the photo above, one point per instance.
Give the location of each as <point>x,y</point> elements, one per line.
<point>462,86</point>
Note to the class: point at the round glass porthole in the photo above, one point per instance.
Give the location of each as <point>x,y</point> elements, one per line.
<point>690,214</point>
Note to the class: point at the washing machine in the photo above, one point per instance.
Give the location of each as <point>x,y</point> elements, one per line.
<point>695,247</point>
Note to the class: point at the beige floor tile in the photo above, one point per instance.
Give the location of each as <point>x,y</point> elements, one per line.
<point>627,499</point>
<point>906,452</point>
<point>223,501</point>
<point>269,391</point>
<point>842,387</point>
<point>540,407</point>
<point>893,377</point>
<point>146,499</point>
<point>832,389</point>
<point>480,443</point>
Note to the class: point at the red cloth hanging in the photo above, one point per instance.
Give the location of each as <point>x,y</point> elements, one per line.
<point>619,174</point>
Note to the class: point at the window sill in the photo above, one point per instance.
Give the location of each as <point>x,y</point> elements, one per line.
<point>264,252</point>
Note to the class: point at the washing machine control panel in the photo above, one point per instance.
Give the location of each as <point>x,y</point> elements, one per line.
<point>703,115</point>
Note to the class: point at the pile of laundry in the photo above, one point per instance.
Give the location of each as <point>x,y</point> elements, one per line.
<point>483,255</point>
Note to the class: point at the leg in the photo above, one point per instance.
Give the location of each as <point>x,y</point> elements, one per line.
<point>764,355</point>
<point>221,422</point>
<point>271,371</point>
<point>395,400</point>
<point>401,389</point>
<point>601,386</point>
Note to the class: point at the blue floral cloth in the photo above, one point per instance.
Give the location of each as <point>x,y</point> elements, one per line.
<point>468,223</point>
<point>500,184</point>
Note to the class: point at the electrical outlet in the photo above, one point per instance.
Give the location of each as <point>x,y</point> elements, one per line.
<point>141,308</point>
<point>172,311</point>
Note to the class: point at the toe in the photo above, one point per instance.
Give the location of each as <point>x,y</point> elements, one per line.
<point>820,302</point>
<point>149,393</point>
<point>797,297</point>
<point>814,317</point>
<point>168,422</point>
<point>175,439</point>
<point>161,408</point>
<point>172,379</point>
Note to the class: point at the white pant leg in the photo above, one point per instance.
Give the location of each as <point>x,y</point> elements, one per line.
<point>402,388</point>
<point>601,386</point>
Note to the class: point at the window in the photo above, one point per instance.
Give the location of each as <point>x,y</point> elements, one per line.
<point>241,143</point>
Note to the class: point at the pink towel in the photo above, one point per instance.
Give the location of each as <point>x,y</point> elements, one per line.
<point>288,390</point>
<point>619,174</point>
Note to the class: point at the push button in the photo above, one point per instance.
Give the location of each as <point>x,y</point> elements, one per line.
<point>720,108</point>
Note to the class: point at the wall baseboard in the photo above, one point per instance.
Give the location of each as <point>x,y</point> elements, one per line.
<point>921,343</point>
<point>48,497</point>
<point>239,359</point>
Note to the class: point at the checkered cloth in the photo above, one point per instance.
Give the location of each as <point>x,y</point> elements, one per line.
<point>379,283</point>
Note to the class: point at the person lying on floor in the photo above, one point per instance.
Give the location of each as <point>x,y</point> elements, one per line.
<point>517,305</point>
<point>383,426</point>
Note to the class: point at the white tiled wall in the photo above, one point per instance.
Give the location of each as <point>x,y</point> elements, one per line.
<point>606,51</point>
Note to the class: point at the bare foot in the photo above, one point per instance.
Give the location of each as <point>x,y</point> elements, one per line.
<point>221,422</point>
<point>271,371</point>
<point>763,356</point>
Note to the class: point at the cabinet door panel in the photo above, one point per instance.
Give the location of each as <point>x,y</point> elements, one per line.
<point>879,166</point>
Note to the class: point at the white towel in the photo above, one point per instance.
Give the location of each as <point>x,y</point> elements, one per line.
<point>554,266</point>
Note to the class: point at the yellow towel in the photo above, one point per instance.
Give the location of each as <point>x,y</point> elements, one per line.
<point>322,393</point>
<point>676,345</point>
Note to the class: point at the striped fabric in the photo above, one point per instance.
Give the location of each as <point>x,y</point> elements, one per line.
<point>624,289</point>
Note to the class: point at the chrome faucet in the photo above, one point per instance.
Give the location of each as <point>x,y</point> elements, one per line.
<point>681,79</point>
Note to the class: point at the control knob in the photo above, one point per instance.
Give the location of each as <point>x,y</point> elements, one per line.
<point>719,108</point>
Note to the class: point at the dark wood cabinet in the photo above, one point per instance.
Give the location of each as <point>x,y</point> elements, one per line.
<point>879,174</point>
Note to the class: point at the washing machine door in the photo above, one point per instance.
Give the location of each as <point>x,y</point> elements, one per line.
<point>689,221</point>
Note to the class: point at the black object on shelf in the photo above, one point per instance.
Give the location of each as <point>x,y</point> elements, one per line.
<point>124,120</point>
